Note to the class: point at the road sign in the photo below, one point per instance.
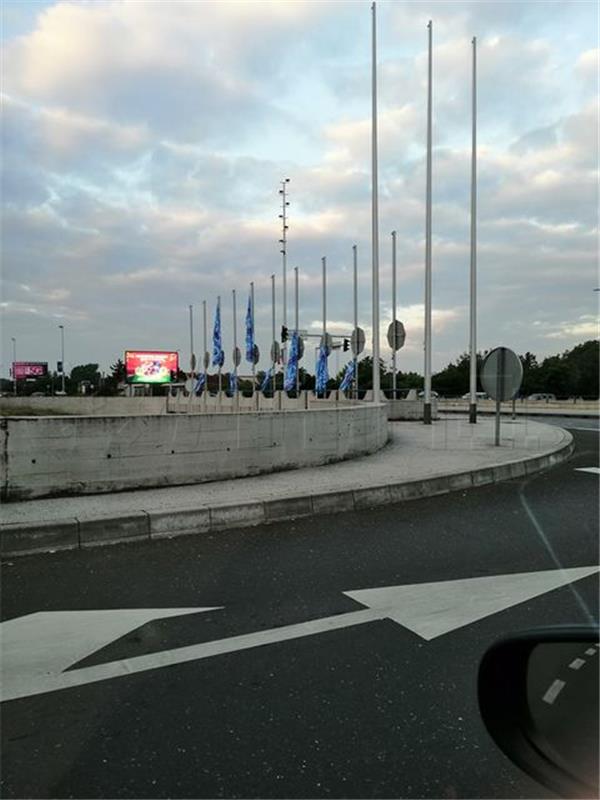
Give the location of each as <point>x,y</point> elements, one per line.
<point>237,356</point>
<point>39,649</point>
<point>328,343</point>
<point>300,347</point>
<point>396,335</point>
<point>255,354</point>
<point>206,360</point>
<point>501,374</point>
<point>275,352</point>
<point>357,341</point>
<point>193,362</point>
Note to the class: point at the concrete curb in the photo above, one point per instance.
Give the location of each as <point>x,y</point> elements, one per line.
<point>70,534</point>
<point>541,414</point>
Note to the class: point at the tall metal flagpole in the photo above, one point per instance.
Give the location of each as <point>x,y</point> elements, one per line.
<point>219,307</point>
<point>235,365</point>
<point>253,328</point>
<point>297,324</point>
<point>283,243</point>
<point>394,312</point>
<point>355,265</point>
<point>375,213</point>
<point>427,398</point>
<point>192,360</point>
<point>473,310</point>
<point>273,359</point>
<point>204,360</point>
<point>324,303</point>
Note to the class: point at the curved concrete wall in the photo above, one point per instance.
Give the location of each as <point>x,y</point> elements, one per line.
<point>53,456</point>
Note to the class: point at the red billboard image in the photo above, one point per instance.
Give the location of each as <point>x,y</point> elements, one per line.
<point>29,369</point>
<point>151,366</point>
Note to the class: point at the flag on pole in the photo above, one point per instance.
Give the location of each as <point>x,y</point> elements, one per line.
<point>292,364</point>
<point>348,377</point>
<point>322,371</point>
<point>266,380</point>
<point>249,331</point>
<point>218,355</point>
<point>233,383</point>
<point>200,384</point>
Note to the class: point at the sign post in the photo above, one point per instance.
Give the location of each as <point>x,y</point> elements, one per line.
<point>501,376</point>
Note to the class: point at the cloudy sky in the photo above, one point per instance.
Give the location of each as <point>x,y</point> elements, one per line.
<point>144,142</point>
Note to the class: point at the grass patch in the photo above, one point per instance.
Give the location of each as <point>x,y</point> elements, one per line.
<point>26,411</point>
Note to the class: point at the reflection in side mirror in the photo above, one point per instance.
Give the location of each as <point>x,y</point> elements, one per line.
<point>538,695</point>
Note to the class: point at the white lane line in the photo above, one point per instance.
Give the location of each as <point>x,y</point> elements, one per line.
<point>591,651</point>
<point>572,428</point>
<point>553,692</point>
<point>577,664</point>
<point>593,470</point>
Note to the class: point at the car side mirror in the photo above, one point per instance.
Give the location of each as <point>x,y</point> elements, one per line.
<point>538,696</point>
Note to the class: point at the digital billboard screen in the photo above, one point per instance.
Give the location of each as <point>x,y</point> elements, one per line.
<point>29,369</point>
<point>151,366</point>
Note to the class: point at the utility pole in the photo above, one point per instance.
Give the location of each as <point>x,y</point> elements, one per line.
<point>296,326</point>
<point>14,364</point>
<point>355,270</point>
<point>394,312</point>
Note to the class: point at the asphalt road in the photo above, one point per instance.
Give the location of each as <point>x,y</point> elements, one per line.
<point>371,710</point>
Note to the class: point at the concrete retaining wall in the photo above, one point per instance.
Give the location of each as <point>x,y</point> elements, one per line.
<point>53,456</point>
<point>410,409</point>
<point>87,406</point>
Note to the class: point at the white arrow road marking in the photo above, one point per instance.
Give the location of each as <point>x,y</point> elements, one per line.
<point>432,609</point>
<point>38,647</point>
<point>428,609</point>
<point>594,470</point>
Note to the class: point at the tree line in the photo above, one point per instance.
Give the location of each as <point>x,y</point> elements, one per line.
<point>573,373</point>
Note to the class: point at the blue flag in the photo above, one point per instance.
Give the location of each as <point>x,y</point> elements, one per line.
<point>266,380</point>
<point>322,371</point>
<point>218,355</point>
<point>348,377</point>
<point>200,383</point>
<point>233,383</point>
<point>291,369</point>
<point>249,332</point>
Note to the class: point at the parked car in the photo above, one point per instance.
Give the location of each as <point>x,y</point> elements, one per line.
<point>541,396</point>
<point>478,396</point>
<point>433,394</point>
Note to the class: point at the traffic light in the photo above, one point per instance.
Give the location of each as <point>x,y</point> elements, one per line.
<point>284,333</point>
<point>346,344</point>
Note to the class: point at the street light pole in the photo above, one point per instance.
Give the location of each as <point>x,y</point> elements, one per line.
<point>296,324</point>
<point>355,266</point>
<point>283,243</point>
<point>62,356</point>
<point>14,370</point>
